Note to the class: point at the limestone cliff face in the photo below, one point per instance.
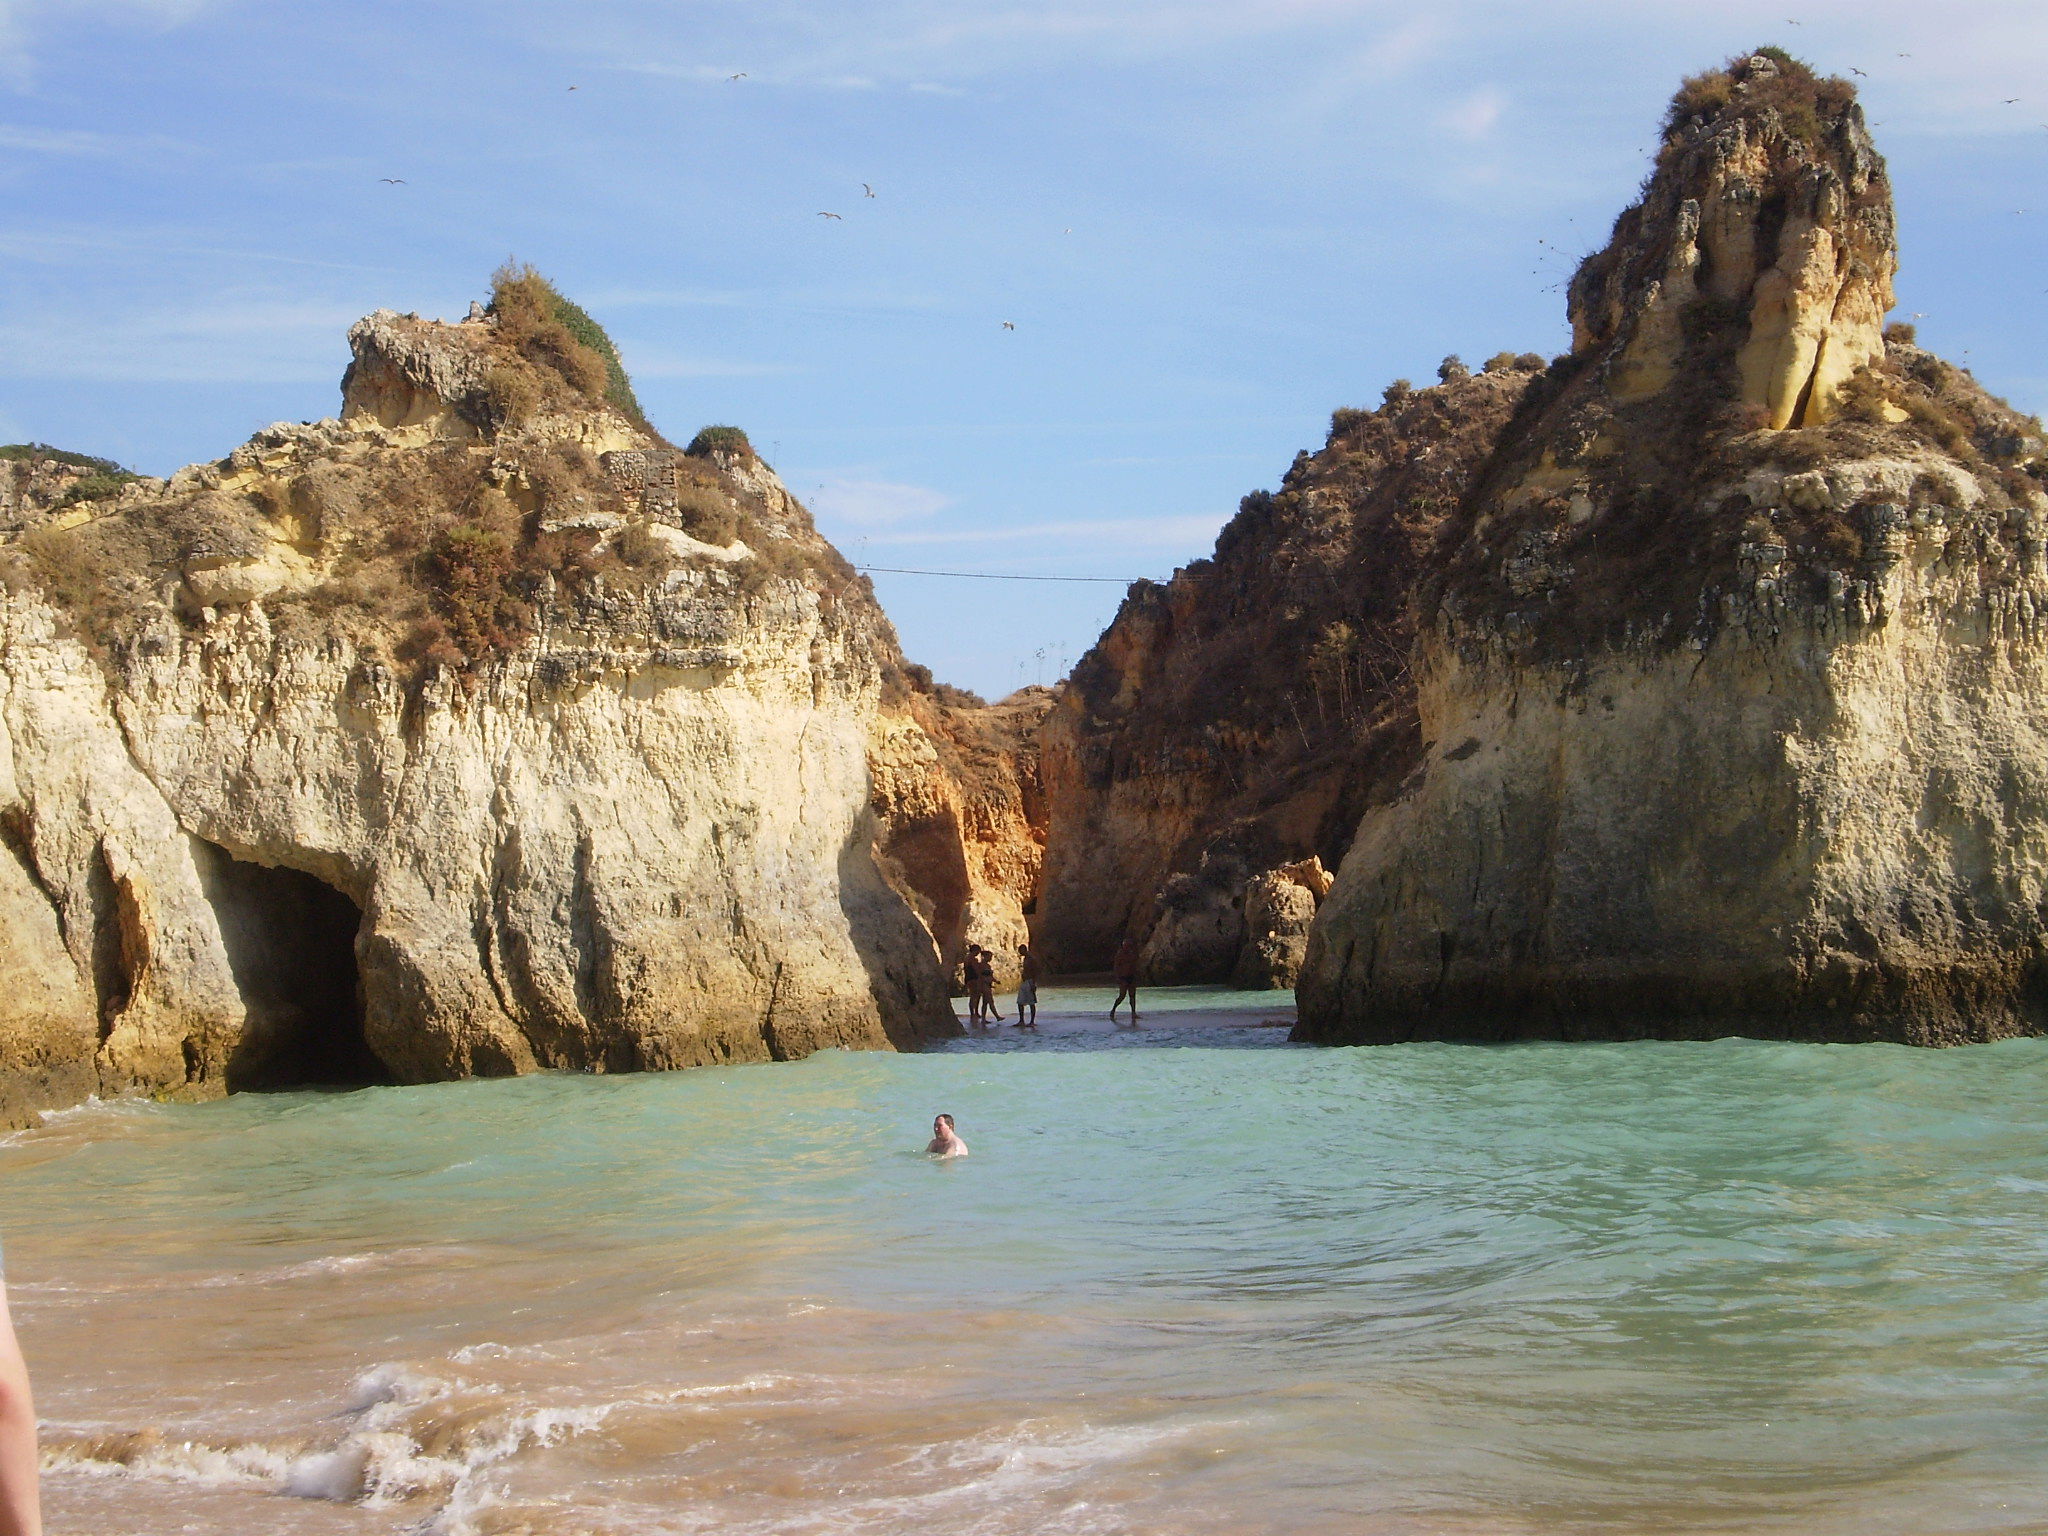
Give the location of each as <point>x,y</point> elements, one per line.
<point>477,732</point>
<point>1729,729</point>
<point>1770,212</point>
<point>1238,719</point>
<point>960,815</point>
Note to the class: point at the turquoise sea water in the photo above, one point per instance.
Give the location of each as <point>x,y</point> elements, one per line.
<point>1192,1279</point>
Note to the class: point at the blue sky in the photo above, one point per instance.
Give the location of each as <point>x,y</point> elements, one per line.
<point>1210,221</point>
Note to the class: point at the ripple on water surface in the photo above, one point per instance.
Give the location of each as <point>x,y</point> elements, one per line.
<point>1209,1287</point>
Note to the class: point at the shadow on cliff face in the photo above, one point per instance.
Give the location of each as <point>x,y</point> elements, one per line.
<point>904,978</point>
<point>291,943</point>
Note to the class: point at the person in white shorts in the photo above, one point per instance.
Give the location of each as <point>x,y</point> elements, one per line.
<point>1027,988</point>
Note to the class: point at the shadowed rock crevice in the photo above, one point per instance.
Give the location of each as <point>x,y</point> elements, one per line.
<point>291,945</point>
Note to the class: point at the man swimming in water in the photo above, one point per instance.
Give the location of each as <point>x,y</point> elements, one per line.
<point>946,1141</point>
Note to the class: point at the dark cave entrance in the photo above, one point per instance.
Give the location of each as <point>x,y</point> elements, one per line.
<point>291,943</point>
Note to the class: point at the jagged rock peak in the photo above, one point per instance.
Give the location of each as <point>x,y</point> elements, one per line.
<point>530,363</point>
<point>1767,224</point>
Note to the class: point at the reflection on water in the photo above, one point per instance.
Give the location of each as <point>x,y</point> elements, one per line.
<point>1203,1288</point>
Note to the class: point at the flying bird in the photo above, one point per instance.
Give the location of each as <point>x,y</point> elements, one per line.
<point>870,191</point>
<point>575,87</point>
<point>1855,71</point>
<point>1009,325</point>
<point>2012,101</point>
<point>740,76</point>
<point>832,216</point>
<point>396,181</point>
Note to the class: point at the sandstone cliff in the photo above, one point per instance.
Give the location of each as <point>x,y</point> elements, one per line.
<point>477,731</point>
<point>1730,664</point>
<point>1236,721</point>
<point>960,813</point>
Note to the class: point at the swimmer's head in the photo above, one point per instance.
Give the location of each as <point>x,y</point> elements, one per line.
<point>943,1122</point>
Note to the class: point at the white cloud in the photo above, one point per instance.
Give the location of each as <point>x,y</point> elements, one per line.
<point>22,20</point>
<point>876,503</point>
<point>1476,115</point>
<point>254,341</point>
<point>64,141</point>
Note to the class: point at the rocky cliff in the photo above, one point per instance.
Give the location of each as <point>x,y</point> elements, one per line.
<point>960,813</point>
<point>476,731</point>
<point>1730,663</point>
<point>1686,684</point>
<point>1215,749</point>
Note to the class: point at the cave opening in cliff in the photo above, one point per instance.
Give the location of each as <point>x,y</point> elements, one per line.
<point>291,944</point>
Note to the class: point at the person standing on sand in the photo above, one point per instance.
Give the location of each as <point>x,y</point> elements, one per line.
<point>946,1141</point>
<point>1126,967</point>
<point>988,985</point>
<point>20,1503</point>
<point>970,983</point>
<point>1027,987</point>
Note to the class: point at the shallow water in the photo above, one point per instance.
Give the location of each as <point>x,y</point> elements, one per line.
<point>1223,1285</point>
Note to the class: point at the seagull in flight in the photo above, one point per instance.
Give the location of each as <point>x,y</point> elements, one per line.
<point>1855,71</point>
<point>740,76</point>
<point>840,217</point>
<point>868,190</point>
<point>1009,325</point>
<point>575,87</point>
<point>2012,101</point>
<point>396,181</point>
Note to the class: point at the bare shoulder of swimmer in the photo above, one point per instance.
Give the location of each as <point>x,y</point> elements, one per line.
<point>946,1141</point>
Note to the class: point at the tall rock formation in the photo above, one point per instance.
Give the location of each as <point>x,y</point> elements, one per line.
<point>1232,725</point>
<point>960,813</point>
<point>1731,664</point>
<point>478,731</point>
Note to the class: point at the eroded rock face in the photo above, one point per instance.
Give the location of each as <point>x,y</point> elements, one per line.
<point>1729,729</point>
<point>960,816</point>
<point>376,750</point>
<point>1240,717</point>
<point>1769,214</point>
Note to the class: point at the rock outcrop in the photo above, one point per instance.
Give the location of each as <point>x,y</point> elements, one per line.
<point>1241,717</point>
<point>1730,665</point>
<point>960,814</point>
<point>476,732</point>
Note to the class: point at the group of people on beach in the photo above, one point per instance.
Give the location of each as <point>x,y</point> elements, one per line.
<point>978,980</point>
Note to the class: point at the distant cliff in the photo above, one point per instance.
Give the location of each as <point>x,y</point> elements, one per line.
<point>1687,684</point>
<point>1237,720</point>
<point>1732,663</point>
<point>477,731</point>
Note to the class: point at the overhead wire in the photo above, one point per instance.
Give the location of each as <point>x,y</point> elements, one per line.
<point>897,570</point>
